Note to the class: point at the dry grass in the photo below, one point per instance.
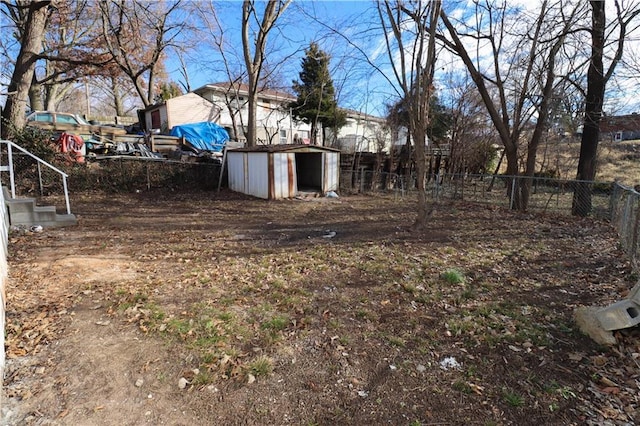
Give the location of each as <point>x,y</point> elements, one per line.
<point>620,161</point>
<point>617,161</point>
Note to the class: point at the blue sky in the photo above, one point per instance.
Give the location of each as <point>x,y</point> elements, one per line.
<point>357,85</point>
<point>297,29</point>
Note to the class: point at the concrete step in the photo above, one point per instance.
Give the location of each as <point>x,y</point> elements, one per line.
<point>24,211</point>
<point>61,220</point>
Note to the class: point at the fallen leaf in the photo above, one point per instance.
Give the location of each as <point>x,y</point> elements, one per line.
<point>575,356</point>
<point>611,390</point>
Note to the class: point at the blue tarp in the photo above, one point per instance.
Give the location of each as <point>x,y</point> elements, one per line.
<point>203,136</point>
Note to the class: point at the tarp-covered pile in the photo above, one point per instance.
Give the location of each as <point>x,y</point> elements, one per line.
<point>203,136</point>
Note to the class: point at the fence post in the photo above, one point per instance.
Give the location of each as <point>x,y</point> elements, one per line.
<point>513,192</point>
<point>66,194</point>
<point>12,180</point>
<point>40,179</point>
<point>148,178</point>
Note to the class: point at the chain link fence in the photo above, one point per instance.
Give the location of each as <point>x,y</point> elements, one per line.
<point>122,173</point>
<point>625,218</point>
<point>129,173</point>
<point>544,194</point>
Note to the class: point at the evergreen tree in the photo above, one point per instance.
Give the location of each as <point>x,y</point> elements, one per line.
<point>316,103</point>
<point>440,118</point>
<point>168,90</point>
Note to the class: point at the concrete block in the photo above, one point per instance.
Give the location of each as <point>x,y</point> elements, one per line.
<point>586,319</point>
<point>622,314</point>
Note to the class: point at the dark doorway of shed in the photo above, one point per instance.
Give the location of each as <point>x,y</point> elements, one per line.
<point>309,172</point>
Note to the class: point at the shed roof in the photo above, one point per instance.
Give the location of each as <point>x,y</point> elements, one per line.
<point>286,148</point>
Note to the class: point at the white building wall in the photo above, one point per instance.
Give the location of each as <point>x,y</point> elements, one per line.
<point>360,134</point>
<point>269,114</point>
<point>190,108</point>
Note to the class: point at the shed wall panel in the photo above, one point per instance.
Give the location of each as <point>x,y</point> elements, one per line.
<point>257,173</point>
<point>236,171</point>
<point>331,171</point>
<point>282,180</point>
<point>164,117</point>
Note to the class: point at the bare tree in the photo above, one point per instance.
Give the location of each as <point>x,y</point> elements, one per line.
<point>597,80</point>
<point>226,61</point>
<point>410,46</point>
<point>71,51</point>
<point>517,86</point>
<point>35,13</point>
<point>471,133</point>
<point>254,50</point>
<point>137,35</point>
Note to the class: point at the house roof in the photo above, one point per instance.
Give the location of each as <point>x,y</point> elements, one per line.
<point>286,148</point>
<point>620,123</point>
<point>243,89</point>
<point>351,113</point>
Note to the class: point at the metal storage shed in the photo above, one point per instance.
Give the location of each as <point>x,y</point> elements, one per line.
<point>282,171</point>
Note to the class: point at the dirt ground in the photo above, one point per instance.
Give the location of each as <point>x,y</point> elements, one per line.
<point>215,308</point>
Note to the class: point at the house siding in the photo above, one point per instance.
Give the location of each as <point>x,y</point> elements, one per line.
<point>272,116</point>
<point>190,108</point>
<point>361,133</point>
<point>185,109</point>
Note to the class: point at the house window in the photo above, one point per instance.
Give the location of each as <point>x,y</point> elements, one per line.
<point>155,119</point>
<point>283,136</point>
<point>618,137</point>
<point>239,103</point>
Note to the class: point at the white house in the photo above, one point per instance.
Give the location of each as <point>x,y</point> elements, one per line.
<point>362,133</point>
<point>274,122</point>
<point>185,109</point>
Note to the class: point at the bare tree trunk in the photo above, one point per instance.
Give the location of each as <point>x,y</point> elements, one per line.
<point>35,95</point>
<point>593,111</point>
<point>51,96</point>
<point>117,97</point>
<point>18,90</point>
<point>272,11</point>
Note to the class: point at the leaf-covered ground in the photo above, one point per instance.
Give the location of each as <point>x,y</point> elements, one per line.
<point>214,308</point>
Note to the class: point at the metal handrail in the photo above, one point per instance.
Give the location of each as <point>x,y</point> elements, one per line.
<point>10,146</point>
